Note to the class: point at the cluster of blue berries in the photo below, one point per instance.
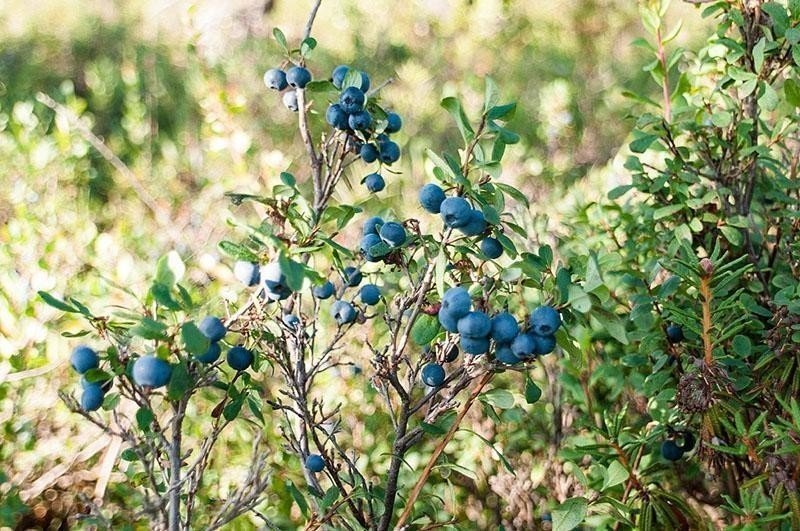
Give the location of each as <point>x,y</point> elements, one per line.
<point>83,360</point>
<point>352,114</point>
<point>275,288</point>
<point>512,344</point>
<point>296,77</point>
<point>380,238</point>
<point>477,330</point>
<point>457,213</point>
<point>151,371</point>
<point>271,276</point>
<point>342,311</point>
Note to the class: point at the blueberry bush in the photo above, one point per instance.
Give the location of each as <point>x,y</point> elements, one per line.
<point>459,355</point>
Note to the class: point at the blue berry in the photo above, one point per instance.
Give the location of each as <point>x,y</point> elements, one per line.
<point>431,197</point>
<point>475,324</point>
<point>393,233</point>
<point>212,328</point>
<point>369,153</point>
<point>455,211</point>
<point>360,121</point>
<point>84,358</point>
<point>149,371</point>
<point>211,355</point>
<point>394,122</point>
<point>352,100</point>
<point>275,78</point>
<point>491,248</point>
<point>298,77</point>
<point>343,312</point>
<point>370,294</point>
<point>315,463</point>
<point>240,358</point>
<point>324,291</point>
<point>504,327</point>
<point>374,182</point>
<point>545,320</point>
<point>433,374</point>
<point>336,117</point>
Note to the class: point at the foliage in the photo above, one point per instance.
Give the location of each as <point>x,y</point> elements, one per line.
<point>701,234</point>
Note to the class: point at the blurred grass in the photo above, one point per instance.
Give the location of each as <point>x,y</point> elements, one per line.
<point>174,89</point>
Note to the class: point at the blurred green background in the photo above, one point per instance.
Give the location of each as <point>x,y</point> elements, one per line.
<point>163,110</point>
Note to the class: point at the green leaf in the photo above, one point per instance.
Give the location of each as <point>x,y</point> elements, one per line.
<point>732,234</point>
<point>791,89</point>
<point>352,79</point>
<point>514,193</point>
<point>287,178</point>
<point>570,514</point>
<point>721,119</point>
<point>298,498</point>
<point>432,429</point>
<point>453,106</point>
<point>532,391</point>
<point>193,340</point>
<point>149,329</point>
<point>233,408</point>
<point>237,252</point>
<point>281,38</point>
<point>425,329</point>
<point>307,46</point>
<point>170,269</point>
<point>503,112</point>
<point>779,16</point>
<point>179,382</point>
<point>619,191</point>
<point>578,299</point>
<point>497,397</point>
<point>294,271</point>
<point>331,495</point>
<point>742,346</point>
<point>162,295</point>
<point>57,303</point>
<point>666,211</point>
<point>144,417</point>
<point>641,144</point>
<point>614,475</point>
<point>491,95</point>
<point>769,98</point>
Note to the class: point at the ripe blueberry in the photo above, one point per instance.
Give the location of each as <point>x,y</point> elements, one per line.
<point>374,182</point>
<point>84,358</point>
<point>431,197</point>
<point>504,327</point>
<point>370,294</point>
<point>248,273</point>
<point>212,328</point>
<point>491,248</point>
<point>323,291</point>
<point>275,78</point>
<point>336,117</point>
<point>240,358</point>
<point>149,371</point>
<point>433,374</point>
<point>343,312</point>
<point>298,77</point>
<point>393,233</point>
<point>455,212</point>
<point>545,320</point>
<point>211,355</point>
<point>475,324</point>
<point>315,463</point>
<point>352,100</point>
